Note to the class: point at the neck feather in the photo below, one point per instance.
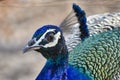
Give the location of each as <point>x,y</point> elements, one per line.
<point>55,67</point>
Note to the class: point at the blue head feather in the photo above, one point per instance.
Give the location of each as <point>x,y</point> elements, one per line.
<point>44,28</point>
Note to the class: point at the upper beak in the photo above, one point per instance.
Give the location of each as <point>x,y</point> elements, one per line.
<point>31,46</point>
<point>26,49</point>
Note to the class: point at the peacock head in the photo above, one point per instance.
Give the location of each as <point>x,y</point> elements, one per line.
<point>48,40</point>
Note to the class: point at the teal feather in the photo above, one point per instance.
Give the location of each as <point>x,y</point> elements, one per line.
<point>98,56</point>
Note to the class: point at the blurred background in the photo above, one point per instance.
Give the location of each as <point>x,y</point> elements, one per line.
<point>18,21</point>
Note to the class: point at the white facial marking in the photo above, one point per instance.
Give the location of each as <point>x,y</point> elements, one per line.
<point>42,37</point>
<point>54,42</point>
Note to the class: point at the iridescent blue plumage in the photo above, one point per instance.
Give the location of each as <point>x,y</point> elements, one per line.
<point>59,72</point>
<point>43,29</point>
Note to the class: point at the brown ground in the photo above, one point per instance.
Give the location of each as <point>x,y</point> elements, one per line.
<point>18,21</point>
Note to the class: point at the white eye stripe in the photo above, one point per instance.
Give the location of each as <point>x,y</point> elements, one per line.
<point>54,42</point>
<point>42,37</point>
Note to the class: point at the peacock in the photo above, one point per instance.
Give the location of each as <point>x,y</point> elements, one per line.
<point>93,57</point>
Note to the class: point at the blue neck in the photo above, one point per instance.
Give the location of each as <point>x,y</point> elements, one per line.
<point>54,69</point>
<point>59,69</point>
<point>56,65</point>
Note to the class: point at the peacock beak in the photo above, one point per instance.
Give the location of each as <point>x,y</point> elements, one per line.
<point>26,49</point>
<point>31,46</point>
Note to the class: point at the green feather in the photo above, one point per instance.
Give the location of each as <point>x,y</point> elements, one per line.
<point>98,56</point>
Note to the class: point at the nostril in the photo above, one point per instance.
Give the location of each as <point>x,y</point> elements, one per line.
<point>30,43</point>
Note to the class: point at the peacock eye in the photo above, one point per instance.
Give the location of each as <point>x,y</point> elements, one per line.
<point>50,37</point>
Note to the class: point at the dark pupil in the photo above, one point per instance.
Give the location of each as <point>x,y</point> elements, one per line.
<point>50,37</point>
